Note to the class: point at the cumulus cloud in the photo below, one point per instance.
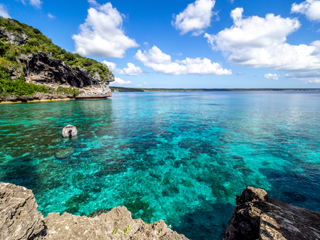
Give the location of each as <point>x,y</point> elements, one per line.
<point>310,8</point>
<point>102,33</point>
<point>272,76</point>
<point>161,63</point>
<point>51,16</point>
<point>131,70</point>
<point>261,42</point>
<point>195,17</point>
<point>118,81</point>
<point>4,12</point>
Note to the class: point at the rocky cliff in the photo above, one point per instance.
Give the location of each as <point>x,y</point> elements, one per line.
<point>257,216</point>
<point>41,68</point>
<point>20,219</point>
<point>31,56</point>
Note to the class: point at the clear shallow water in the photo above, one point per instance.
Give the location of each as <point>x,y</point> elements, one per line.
<point>180,157</point>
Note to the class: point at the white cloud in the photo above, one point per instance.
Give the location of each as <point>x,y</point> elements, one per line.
<point>111,65</point>
<point>4,12</point>
<point>131,70</point>
<point>314,81</point>
<point>195,17</point>
<point>102,34</point>
<point>261,42</point>
<point>272,76</point>
<point>310,8</point>
<point>161,63</point>
<point>36,3</point>
<point>145,83</point>
<point>51,16</point>
<point>119,81</point>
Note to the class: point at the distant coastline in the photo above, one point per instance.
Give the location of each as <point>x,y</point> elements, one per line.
<point>125,89</point>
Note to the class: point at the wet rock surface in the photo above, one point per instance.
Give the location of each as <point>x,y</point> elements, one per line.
<point>20,219</point>
<point>257,216</point>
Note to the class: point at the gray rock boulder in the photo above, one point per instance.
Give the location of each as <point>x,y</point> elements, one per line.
<point>19,216</point>
<point>257,216</point>
<point>69,131</point>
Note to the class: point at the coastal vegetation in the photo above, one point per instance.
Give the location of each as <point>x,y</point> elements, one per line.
<point>17,86</point>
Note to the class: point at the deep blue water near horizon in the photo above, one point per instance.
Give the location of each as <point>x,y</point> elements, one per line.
<point>180,157</point>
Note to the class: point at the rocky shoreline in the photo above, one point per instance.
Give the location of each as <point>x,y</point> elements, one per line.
<point>256,216</point>
<point>20,219</point>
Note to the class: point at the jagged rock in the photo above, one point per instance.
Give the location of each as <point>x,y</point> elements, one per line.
<point>257,216</point>
<point>20,219</point>
<point>69,131</point>
<point>110,225</point>
<point>64,153</point>
<point>19,216</point>
<point>14,37</point>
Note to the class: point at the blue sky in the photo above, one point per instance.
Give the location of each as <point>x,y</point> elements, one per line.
<point>190,43</point>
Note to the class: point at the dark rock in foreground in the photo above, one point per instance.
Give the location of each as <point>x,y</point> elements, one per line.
<point>256,216</point>
<point>20,219</point>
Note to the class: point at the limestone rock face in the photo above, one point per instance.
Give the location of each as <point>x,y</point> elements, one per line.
<point>256,216</point>
<point>41,68</point>
<point>95,91</point>
<point>20,219</point>
<point>19,216</point>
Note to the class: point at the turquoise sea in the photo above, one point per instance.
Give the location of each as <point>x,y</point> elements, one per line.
<point>180,157</point>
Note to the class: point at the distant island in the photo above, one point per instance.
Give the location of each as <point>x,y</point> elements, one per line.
<point>127,89</point>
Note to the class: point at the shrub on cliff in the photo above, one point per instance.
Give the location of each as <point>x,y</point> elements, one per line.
<point>17,86</point>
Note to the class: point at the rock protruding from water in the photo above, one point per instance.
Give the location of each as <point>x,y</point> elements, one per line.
<point>257,216</point>
<point>20,219</point>
<point>69,131</point>
<point>19,216</point>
